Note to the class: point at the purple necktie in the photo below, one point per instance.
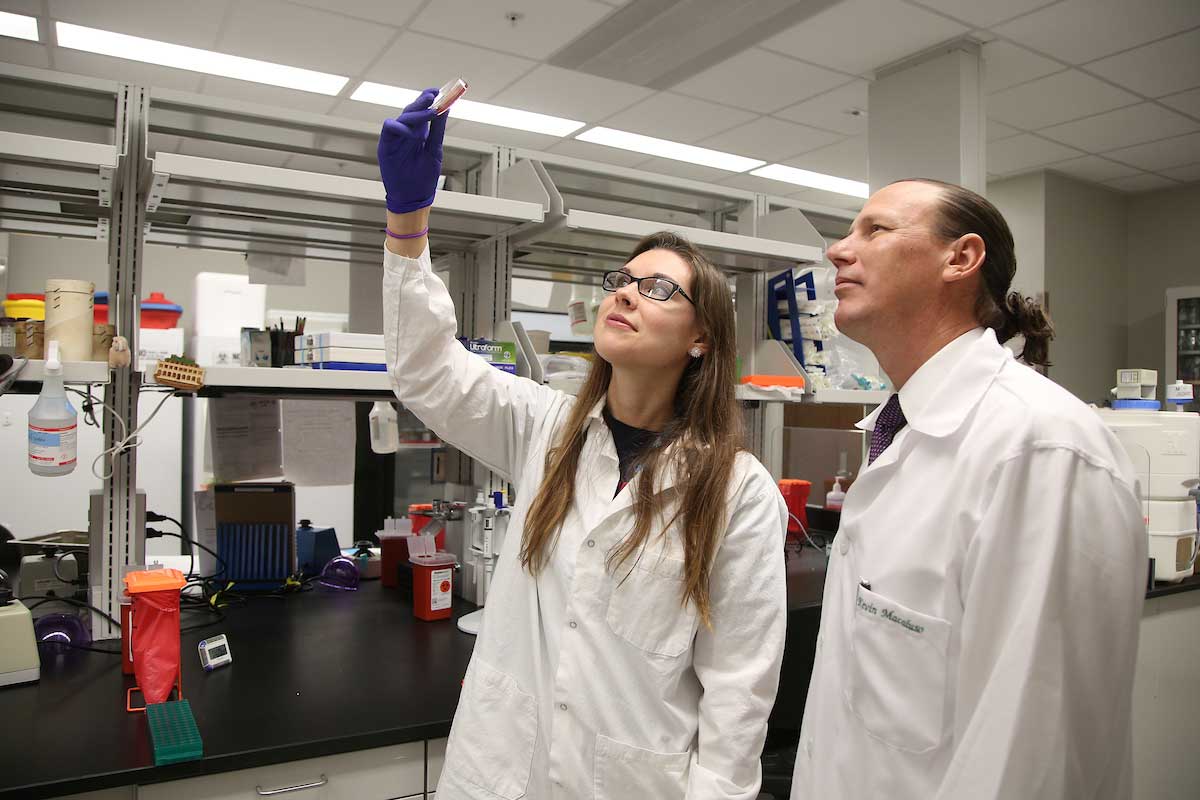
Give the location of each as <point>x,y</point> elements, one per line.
<point>887,425</point>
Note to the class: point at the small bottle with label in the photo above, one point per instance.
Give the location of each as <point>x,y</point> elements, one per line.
<point>835,496</point>
<point>577,311</point>
<point>52,423</point>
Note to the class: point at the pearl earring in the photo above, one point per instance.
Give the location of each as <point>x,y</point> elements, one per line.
<point>695,352</point>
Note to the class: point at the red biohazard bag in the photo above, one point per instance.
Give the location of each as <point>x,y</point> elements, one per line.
<point>154,630</point>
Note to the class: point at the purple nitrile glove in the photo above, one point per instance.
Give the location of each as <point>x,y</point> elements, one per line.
<point>410,155</point>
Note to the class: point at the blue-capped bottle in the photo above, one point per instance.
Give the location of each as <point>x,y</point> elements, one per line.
<point>53,424</point>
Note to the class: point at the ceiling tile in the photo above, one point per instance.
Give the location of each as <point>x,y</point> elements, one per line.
<point>396,13</point>
<point>1006,65</point>
<point>119,69</point>
<point>1187,102</point>
<point>678,118</point>
<point>684,169</point>
<point>29,54</point>
<point>998,130</point>
<point>760,80</point>
<point>175,21</point>
<point>832,110</point>
<point>266,95</point>
<point>770,139</point>
<point>858,36</point>
<point>1093,168</point>
<point>415,61</point>
<point>1145,122</point>
<point>1188,173</point>
<point>598,152</point>
<point>30,8</point>
<point>271,30</point>
<point>1078,31</point>
<point>1154,70</point>
<point>1057,98</point>
<point>570,94</point>
<point>545,26</point>
<point>1141,183</point>
<point>495,134</point>
<point>984,13</point>
<point>1023,152</point>
<point>846,159</point>
<point>1161,155</point>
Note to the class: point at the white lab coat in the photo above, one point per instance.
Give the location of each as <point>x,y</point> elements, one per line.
<point>584,684</point>
<point>993,654</point>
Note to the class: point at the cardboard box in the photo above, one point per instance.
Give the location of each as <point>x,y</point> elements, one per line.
<point>501,355</point>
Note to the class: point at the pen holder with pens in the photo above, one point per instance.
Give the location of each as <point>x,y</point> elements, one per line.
<point>283,347</point>
<point>154,635</point>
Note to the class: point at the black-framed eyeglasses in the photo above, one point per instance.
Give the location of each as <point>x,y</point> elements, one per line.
<point>654,287</point>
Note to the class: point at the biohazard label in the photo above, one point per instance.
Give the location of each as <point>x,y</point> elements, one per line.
<point>52,447</point>
<point>439,589</point>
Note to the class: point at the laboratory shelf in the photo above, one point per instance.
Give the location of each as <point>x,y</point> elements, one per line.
<point>866,397</point>
<point>296,382</point>
<point>782,394</point>
<point>76,373</point>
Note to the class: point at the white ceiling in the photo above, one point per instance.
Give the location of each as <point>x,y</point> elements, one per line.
<point>1104,90</point>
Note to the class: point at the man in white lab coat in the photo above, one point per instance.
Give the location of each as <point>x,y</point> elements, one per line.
<point>982,602</point>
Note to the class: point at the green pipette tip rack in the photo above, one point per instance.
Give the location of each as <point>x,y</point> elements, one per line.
<point>173,732</point>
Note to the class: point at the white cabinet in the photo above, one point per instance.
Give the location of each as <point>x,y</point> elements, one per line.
<point>436,759</point>
<point>379,774</point>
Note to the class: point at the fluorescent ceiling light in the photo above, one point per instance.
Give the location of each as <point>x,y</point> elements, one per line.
<point>474,111</point>
<point>119,45</point>
<point>18,26</point>
<point>813,180</point>
<point>668,149</point>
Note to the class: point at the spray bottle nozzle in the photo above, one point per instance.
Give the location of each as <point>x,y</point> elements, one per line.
<point>53,363</point>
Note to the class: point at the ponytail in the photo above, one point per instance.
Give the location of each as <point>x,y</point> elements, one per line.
<point>1024,316</point>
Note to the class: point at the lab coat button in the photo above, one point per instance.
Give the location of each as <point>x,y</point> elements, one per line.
<point>844,547</point>
<point>591,542</point>
<point>562,706</point>
<point>573,624</point>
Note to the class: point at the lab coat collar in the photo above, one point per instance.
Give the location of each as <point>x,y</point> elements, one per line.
<point>942,392</point>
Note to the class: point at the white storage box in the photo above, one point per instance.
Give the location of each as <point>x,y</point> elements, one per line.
<point>1172,515</point>
<point>155,344</point>
<point>226,303</point>
<point>217,351</point>
<point>1174,555</point>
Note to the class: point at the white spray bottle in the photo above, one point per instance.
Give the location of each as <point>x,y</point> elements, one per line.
<point>52,423</point>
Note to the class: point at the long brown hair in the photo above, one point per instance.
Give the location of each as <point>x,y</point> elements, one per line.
<point>704,437</point>
<point>961,211</point>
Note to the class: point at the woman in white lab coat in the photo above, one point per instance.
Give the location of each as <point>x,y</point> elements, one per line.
<point>634,633</point>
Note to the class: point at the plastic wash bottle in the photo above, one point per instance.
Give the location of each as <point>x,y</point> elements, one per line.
<point>52,423</point>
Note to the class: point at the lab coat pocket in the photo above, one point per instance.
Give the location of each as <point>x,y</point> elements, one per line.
<point>491,743</point>
<point>646,609</point>
<point>897,680</point>
<point>624,772</point>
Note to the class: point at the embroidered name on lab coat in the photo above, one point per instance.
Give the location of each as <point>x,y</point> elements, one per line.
<point>888,614</point>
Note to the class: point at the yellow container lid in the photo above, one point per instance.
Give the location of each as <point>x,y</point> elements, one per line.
<point>25,309</point>
<point>154,580</point>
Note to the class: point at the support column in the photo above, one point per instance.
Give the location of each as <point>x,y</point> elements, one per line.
<point>927,119</point>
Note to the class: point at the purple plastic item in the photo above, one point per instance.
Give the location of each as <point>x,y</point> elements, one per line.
<point>340,573</point>
<point>60,633</point>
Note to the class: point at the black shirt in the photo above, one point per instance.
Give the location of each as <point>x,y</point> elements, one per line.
<point>631,442</point>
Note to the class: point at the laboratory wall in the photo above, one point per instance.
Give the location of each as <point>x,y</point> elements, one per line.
<point>1085,284</point>
<point>1022,201</point>
<point>1161,252</point>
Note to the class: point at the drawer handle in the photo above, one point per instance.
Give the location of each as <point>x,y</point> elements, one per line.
<point>268,792</point>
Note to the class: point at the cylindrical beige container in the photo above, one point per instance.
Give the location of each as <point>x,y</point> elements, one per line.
<point>31,340</point>
<point>69,317</point>
<point>540,341</point>
<point>102,336</point>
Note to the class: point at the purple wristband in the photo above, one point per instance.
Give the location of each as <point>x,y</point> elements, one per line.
<point>416,235</point>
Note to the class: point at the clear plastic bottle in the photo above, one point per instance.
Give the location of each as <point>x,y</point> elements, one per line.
<point>52,423</point>
<point>577,311</point>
